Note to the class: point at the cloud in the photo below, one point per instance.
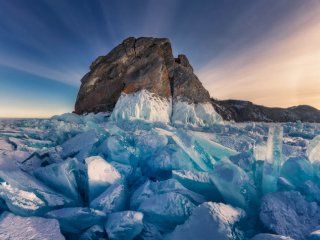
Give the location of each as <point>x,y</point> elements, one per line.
<point>280,70</point>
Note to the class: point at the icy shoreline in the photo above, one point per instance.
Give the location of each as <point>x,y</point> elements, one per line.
<point>150,180</point>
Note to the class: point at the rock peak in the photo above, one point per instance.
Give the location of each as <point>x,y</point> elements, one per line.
<point>137,64</point>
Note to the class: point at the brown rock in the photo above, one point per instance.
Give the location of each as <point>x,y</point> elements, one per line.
<point>136,64</point>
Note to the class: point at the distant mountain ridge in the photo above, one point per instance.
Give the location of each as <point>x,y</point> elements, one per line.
<point>141,79</point>
<point>245,111</point>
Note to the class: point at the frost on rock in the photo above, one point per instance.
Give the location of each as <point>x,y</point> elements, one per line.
<point>101,175</point>
<point>210,221</point>
<point>77,219</point>
<point>289,214</point>
<point>124,225</point>
<point>142,105</point>
<point>166,210</point>
<point>21,228</point>
<point>201,114</point>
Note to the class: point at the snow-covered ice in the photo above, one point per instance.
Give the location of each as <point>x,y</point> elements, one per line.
<point>14,227</point>
<point>137,175</point>
<point>124,225</point>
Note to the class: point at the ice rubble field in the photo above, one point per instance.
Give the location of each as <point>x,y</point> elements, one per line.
<point>92,178</point>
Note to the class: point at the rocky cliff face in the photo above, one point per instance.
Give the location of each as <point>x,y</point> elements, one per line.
<point>134,65</point>
<point>141,79</point>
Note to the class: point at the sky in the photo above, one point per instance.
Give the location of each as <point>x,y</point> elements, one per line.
<point>265,51</point>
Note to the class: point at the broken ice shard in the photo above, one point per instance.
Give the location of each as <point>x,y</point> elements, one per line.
<point>124,225</point>
<point>101,175</point>
<point>113,199</point>
<point>22,228</point>
<point>213,220</point>
<point>75,220</point>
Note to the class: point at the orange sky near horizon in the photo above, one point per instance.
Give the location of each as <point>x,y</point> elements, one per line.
<point>283,70</point>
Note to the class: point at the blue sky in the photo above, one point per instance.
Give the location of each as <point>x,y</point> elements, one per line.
<point>46,46</point>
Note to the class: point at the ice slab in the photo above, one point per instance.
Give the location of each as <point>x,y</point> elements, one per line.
<point>113,199</point>
<point>64,177</point>
<point>142,105</point>
<point>101,175</point>
<point>234,184</point>
<point>96,232</point>
<point>313,149</point>
<point>121,149</point>
<point>25,195</point>
<point>289,214</point>
<point>166,210</point>
<point>210,221</point>
<point>5,145</point>
<point>297,170</point>
<point>124,225</point>
<point>198,182</point>
<point>149,232</point>
<point>271,168</point>
<point>80,145</point>
<point>14,227</point>
<point>150,189</point>
<point>76,219</point>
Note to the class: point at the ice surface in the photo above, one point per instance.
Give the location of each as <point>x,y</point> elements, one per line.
<point>81,169</point>
<point>142,105</point>
<point>76,219</point>
<point>23,228</point>
<point>101,175</point>
<point>210,220</point>
<point>289,214</point>
<point>124,225</point>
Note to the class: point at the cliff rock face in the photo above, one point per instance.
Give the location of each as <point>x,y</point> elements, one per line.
<point>141,79</point>
<point>134,65</point>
